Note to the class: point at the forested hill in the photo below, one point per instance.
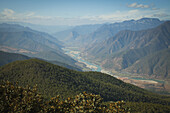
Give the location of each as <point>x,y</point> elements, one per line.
<point>53,80</point>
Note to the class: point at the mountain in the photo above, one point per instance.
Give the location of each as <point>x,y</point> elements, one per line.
<point>155,64</point>
<point>43,28</point>
<point>6,58</point>
<point>18,39</point>
<point>129,48</point>
<point>88,35</point>
<point>23,37</point>
<point>52,80</point>
<point>76,35</point>
<point>109,30</point>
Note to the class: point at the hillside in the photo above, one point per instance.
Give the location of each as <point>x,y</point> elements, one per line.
<point>17,30</point>
<point>6,58</point>
<point>16,36</point>
<point>72,67</point>
<point>53,80</point>
<point>15,98</point>
<point>155,64</point>
<point>129,47</point>
<point>23,40</point>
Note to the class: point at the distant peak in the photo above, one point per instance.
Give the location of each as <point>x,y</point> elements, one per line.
<point>150,19</point>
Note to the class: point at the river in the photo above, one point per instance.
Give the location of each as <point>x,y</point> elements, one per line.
<point>76,55</point>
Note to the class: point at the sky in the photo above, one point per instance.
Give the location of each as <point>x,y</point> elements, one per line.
<point>80,12</point>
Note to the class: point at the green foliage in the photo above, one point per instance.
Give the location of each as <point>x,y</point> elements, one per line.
<point>14,98</point>
<point>140,107</point>
<point>69,66</point>
<point>18,99</point>
<point>54,80</point>
<point>86,103</point>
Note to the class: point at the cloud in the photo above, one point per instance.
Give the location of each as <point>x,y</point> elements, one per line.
<point>160,15</point>
<point>154,8</point>
<point>7,12</point>
<point>116,16</point>
<point>30,14</point>
<point>135,5</point>
<point>8,15</point>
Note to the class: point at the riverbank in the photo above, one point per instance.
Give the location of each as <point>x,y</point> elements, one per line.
<point>76,55</point>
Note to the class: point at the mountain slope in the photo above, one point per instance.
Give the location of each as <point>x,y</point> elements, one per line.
<point>17,36</point>
<point>127,47</point>
<point>6,58</point>
<point>155,64</point>
<point>53,80</point>
<point>18,39</point>
<point>76,35</point>
<point>109,30</point>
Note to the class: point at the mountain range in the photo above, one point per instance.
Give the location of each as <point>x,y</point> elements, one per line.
<point>43,28</point>
<point>120,47</point>
<point>79,36</point>
<point>76,35</point>
<point>109,30</point>
<point>128,50</point>
<point>18,39</point>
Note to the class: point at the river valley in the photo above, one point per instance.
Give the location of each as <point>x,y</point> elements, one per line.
<point>150,84</point>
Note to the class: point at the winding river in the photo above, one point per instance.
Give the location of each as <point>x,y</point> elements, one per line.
<point>76,55</point>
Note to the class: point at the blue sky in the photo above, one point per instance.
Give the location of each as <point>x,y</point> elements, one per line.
<point>78,12</point>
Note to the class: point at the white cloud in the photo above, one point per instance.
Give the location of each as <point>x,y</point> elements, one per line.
<point>30,14</point>
<point>8,15</point>
<point>7,12</point>
<point>154,8</point>
<point>135,5</point>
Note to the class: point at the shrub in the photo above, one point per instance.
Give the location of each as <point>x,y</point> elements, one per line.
<point>14,98</point>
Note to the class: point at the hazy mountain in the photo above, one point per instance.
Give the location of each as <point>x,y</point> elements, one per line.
<point>16,32</point>
<point>19,39</point>
<point>52,80</point>
<point>26,38</point>
<point>88,34</point>
<point>128,47</point>
<point>44,28</point>
<point>109,30</point>
<point>76,35</point>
